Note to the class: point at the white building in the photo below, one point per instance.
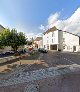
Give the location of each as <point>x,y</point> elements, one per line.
<point>55,39</point>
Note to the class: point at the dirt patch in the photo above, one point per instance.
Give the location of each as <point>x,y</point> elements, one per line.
<point>13,66</point>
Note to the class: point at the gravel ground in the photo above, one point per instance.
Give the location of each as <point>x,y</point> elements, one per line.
<point>54,79</point>
<point>51,72</point>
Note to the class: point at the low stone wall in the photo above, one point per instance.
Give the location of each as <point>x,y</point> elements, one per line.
<point>9,58</point>
<point>5,59</point>
<point>54,79</point>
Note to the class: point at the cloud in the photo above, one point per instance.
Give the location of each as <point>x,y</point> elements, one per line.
<point>71,24</point>
<point>39,35</point>
<point>34,35</point>
<point>53,18</point>
<point>42,27</point>
<point>29,32</point>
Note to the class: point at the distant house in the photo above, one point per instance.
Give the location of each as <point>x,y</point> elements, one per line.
<point>38,42</point>
<point>55,39</point>
<point>6,48</point>
<point>1,28</point>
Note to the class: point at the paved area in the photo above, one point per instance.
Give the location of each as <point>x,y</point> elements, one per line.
<point>56,58</point>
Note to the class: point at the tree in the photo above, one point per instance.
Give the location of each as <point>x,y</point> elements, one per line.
<point>3,36</point>
<point>13,38</point>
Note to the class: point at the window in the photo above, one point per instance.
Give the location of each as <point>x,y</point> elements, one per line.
<point>63,39</point>
<point>52,34</point>
<point>47,47</point>
<point>74,48</point>
<point>52,40</point>
<point>63,47</point>
<point>44,46</point>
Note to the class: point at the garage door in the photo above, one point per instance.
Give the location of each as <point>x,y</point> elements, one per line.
<point>53,47</point>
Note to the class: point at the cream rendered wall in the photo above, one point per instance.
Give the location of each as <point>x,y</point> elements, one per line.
<point>39,43</point>
<point>1,28</point>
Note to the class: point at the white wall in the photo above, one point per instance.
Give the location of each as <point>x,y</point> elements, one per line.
<point>60,40</point>
<point>70,41</point>
<point>47,39</point>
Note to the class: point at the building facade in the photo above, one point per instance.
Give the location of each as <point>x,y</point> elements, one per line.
<point>38,42</point>
<point>55,39</point>
<point>1,28</point>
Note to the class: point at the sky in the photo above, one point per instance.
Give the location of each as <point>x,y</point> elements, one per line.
<point>33,17</point>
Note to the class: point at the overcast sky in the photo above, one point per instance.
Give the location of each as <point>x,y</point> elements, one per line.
<point>35,16</point>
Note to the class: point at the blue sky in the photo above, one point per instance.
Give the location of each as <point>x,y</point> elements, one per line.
<point>28,15</point>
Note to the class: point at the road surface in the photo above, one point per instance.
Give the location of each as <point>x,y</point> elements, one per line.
<point>60,58</point>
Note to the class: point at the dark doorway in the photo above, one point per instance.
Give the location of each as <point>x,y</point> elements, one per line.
<point>53,47</point>
<point>74,48</point>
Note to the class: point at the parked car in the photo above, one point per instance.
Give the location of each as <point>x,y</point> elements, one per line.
<point>42,50</point>
<point>19,52</point>
<point>6,53</point>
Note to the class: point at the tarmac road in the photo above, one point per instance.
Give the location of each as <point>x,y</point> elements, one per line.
<point>60,58</point>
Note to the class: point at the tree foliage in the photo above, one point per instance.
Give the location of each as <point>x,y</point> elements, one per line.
<point>12,38</point>
<point>3,36</point>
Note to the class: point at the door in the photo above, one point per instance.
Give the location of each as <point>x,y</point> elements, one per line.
<point>53,47</point>
<point>74,48</point>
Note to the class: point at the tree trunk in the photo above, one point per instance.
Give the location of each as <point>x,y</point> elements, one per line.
<point>15,48</point>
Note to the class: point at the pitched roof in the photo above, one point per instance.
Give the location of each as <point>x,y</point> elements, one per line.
<point>38,39</point>
<point>54,29</point>
<point>1,28</point>
<point>70,33</point>
<point>50,30</point>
